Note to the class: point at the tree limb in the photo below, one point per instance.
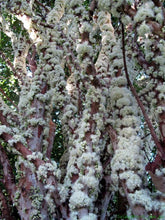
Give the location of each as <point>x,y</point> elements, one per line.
<point>148,121</point>
<point>31,60</point>
<point>52,128</point>
<point>42,5</point>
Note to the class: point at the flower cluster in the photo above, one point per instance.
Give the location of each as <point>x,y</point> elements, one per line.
<point>44,170</point>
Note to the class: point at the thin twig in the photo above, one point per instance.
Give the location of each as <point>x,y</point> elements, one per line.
<point>145,136</point>
<point>150,126</point>
<point>47,25</point>
<point>42,5</point>
<point>146,155</point>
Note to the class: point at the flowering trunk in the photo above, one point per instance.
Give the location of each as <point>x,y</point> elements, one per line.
<point>99,66</point>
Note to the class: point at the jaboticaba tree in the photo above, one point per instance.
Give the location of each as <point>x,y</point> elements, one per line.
<point>82,109</point>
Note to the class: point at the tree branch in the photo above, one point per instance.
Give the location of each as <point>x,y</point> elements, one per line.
<point>93,6</point>
<point>25,152</point>
<point>7,137</point>
<point>150,126</point>
<point>42,5</point>
<point>52,128</point>
<point>31,60</point>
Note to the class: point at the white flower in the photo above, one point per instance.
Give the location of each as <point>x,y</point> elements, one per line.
<point>146,10</point>
<point>142,197</point>
<point>56,13</point>
<point>4,129</point>
<point>84,48</point>
<point>144,29</point>
<point>50,187</point>
<point>85,27</point>
<point>123,102</point>
<point>34,156</point>
<point>91,216</point>
<point>79,199</point>
<point>132,180</point>
<point>160,17</point>
<point>103,5</point>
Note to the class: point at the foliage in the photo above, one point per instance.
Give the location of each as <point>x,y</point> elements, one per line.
<point>82,116</point>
